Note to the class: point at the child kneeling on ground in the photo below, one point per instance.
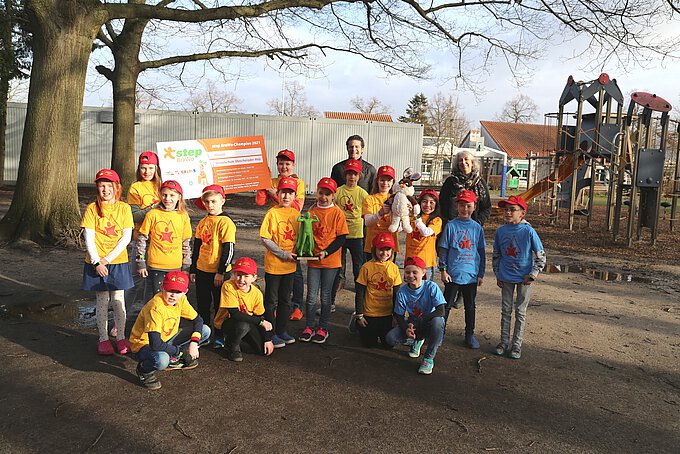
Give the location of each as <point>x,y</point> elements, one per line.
<point>155,337</point>
<point>241,313</point>
<point>419,310</point>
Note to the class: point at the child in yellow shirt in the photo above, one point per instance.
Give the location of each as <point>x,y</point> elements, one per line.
<point>166,231</point>
<point>376,212</point>
<point>377,286</point>
<point>212,254</point>
<point>241,314</point>
<point>422,242</point>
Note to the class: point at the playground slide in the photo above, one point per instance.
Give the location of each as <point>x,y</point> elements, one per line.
<point>564,171</point>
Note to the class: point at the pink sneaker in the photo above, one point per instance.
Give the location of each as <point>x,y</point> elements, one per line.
<point>105,348</point>
<point>123,346</point>
<point>307,334</point>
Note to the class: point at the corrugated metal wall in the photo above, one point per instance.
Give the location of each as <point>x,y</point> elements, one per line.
<point>317,142</point>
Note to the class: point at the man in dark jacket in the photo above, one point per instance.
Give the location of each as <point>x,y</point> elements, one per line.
<point>355,149</point>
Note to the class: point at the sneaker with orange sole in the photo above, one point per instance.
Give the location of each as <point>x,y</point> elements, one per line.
<point>296,315</point>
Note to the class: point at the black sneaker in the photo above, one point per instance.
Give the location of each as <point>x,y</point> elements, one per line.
<point>320,336</point>
<point>235,355</point>
<point>189,363</point>
<point>176,362</point>
<point>148,380</point>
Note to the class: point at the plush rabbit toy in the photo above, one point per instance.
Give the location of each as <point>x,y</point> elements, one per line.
<point>402,198</point>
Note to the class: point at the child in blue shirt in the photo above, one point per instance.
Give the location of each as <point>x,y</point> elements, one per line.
<point>518,257</point>
<point>462,261</point>
<point>419,311</point>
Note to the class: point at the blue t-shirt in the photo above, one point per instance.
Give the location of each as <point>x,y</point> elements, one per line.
<point>462,249</point>
<point>418,302</point>
<point>516,244</point>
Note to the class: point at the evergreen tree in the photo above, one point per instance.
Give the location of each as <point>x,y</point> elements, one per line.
<point>417,112</point>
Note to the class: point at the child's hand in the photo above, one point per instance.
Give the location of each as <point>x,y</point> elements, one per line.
<point>322,254</point>
<point>499,284</point>
<point>271,192</point>
<point>386,209</point>
<point>411,331</point>
<point>291,257</point>
<point>268,348</point>
<point>267,325</point>
<point>528,280</point>
<point>446,277</point>
<point>479,281</point>
<point>193,350</point>
<point>192,277</point>
<point>102,270</point>
<point>143,273</point>
<point>362,322</point>
<point>219,278</point>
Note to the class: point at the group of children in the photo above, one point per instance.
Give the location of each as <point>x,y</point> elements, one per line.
<point>388,312</point>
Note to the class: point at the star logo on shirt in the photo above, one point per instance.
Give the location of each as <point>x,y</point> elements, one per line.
<point>168,326</point>
<point>320,231</point>
<point>288,233</point>
<point>465,243</point>
<point>381,284</point>
<point>349,206</point>
<point>417,312</point>
<point>511,251</point>
<point>166,233</point>
<point>416,235</point>
<point>109,227</point>
<point>206,236</point>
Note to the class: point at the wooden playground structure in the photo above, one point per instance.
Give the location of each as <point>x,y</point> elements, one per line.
<point>631,150</point>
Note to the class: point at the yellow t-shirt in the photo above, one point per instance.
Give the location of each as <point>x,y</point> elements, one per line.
<point>421,246</point>
<point>351,201</point>
<point>213,231</point>
<point>379,279</point>
<point>299,195</point>
<point>372,205</point>
<point>158,316</point>
<point>108,230</point>
<point>144,194</point>
<point>166,231</point>
<point>331,224</point>
<point>251,303</point>
<point>281,226</point>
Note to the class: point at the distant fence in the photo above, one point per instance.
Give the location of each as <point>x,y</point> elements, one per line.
<point>317,142</point>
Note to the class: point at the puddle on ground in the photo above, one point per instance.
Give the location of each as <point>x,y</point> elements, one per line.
<point>80,312</point>
<point>595,273</point>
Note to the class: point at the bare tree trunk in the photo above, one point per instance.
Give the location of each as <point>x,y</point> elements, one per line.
<point>123,151</point>
<point>4,92</point>
<point>45,202</point>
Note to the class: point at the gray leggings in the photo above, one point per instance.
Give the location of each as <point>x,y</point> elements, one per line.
<point>520,304</point>
<point>117,300</point>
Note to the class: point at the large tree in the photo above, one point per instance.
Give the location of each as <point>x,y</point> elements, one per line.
<point>391,34</point>
<point>293,102</point>
<point>417,112</point>
<point>371,105</point>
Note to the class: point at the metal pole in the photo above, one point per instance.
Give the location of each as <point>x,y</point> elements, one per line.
<point>596,151</point>
<point>675,192</point>
<point>614,162</point>
<point>554,166</point>
<point>576,156</point>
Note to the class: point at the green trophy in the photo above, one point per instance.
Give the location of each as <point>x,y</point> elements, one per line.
<point>305,242</point>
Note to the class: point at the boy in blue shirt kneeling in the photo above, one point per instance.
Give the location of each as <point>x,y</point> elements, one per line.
<point>419,311</point>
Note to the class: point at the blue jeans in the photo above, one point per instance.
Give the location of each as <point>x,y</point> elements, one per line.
<point>355,246</point>
<point>432,332</point>
<point>520,304</point>
<point>157,360</point>
<point>298,288</point>
<point>319,279</point>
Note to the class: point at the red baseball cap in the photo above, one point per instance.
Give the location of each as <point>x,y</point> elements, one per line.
<point>383,240</point>
<point>213,187</point>
<point>513,200</point>
<point>172,184</point>
<point>287,183</point>
<point>148,157</point>
<point>107,174</point>
<point>245,265</point>
<point>354,165</point>
<point>176,281</point>
<point>387,170</point>
<point>428,191</point>
<point>327,183</point>
<point>466,196</point>
<point>417,261</point>
<point>286,154</point>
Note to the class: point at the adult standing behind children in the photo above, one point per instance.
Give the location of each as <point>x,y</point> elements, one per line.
<point>355,150</point>
<point>465,176</point>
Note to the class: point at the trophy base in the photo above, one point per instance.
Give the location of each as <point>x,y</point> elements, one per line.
<point>306,259</point>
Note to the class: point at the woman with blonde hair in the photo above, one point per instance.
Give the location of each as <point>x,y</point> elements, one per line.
<point>465,175</point>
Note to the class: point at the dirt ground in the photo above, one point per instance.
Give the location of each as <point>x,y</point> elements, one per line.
<point>600,369</point>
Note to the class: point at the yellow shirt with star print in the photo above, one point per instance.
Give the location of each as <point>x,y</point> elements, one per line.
<point>108,229</point>
<point>379,279</point>
<point>158,316</point>
<point>281,226</point>
<point>251,303</point>
<point>144,194</point>
<point>213,231</point>
<point>351,201</point>
<point>166,230</point>
<point>373,204</point>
